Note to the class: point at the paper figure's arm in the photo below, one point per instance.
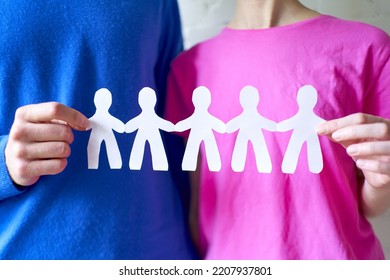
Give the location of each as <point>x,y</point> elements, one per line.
<point>132,125</point>
<point>165,125</point>
<point>269,125</point>
<point>184,124</point>
<point>92,122</point>
<point>233,125</point>
<point>320,120</point>
<point>218,125</point>
<point>117,125</point>
<point>286,125</point>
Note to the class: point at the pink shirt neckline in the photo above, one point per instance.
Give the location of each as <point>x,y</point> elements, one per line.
<point>227,29</point>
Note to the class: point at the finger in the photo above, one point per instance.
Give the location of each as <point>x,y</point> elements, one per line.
<point>47,150</point>
<point>47,112</point>
<point>46,167</point>
<point>49,167</point>
<point>331,126</point>
<point>378,131</point>
<point>28,172</point>
<point>39,132</point>
<point>380,148</point>
<point>375,166</point>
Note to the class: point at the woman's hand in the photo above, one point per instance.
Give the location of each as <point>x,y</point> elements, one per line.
<point>367,140</point>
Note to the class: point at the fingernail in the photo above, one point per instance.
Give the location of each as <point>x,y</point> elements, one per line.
<point>85,122</point>
<point>352,150</point>
<point>337,135</point>
<point>361,163</point>
<point>321,130</point>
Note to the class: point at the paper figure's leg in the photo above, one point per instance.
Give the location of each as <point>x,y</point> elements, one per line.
<point>159,158</point>
<point>290,160</point>
<point>190,158</point>
<point>93,151</point>
<point>239,153</point>
<point>263,159</point>
<point>314,155</point>
<point>113,153</point>
<point>137,153</point>
<point>212,154</point>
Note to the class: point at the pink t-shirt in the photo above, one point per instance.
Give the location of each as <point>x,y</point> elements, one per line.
<point>253,215</point>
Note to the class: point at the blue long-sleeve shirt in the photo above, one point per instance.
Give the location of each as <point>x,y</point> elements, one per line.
<point>64,51</point>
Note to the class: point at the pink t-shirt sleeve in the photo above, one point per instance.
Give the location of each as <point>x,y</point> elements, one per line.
<point>377,99</point>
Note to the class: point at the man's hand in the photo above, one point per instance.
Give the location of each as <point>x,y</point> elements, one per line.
<point>39,141</point>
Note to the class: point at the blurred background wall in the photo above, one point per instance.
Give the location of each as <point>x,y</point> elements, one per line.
<point>203,19</point>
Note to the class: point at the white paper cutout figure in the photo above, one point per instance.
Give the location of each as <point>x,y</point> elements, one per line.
<point>102,124</point>
<point>250,124</point>
<point>304,125</point>
<point>148,124</point>
<point>202,124</point>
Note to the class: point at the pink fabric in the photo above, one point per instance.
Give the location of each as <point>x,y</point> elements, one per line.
<point>250,215</point>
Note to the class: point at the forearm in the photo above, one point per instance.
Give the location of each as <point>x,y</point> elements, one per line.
<point>374,200</point>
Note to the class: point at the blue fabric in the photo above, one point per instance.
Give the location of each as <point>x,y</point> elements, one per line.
<point>64,51</point>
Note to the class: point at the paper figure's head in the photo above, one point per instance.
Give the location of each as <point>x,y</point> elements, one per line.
<point>249,97</point>
<point>103,99</point>
<point>307,97</point>
<point>147,98</point>
<point>201,97</point>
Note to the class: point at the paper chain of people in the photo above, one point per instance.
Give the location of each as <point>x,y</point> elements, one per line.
<point>249,125</point>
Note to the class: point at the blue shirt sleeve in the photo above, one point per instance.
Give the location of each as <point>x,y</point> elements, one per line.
<point>7,187</point>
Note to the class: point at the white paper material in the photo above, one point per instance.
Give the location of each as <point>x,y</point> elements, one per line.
<point>250,125</point>
<point>201,123</point>
<point>148,125</point>
<point>102,125</point>
<point>304,125</point>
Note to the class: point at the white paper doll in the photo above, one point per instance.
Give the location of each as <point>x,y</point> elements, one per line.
<point>250,124</point>
<point>202,124</point>
<point>102,125</point>
<point>148,124</point>
<point>304,125</point>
